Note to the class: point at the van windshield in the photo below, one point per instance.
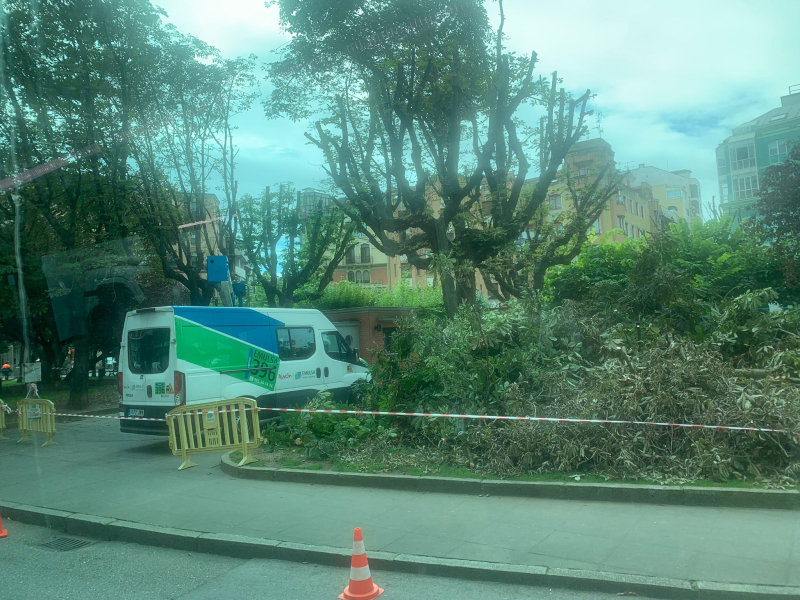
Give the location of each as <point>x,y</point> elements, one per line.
<point>148,350</point>
<point>337,348</point>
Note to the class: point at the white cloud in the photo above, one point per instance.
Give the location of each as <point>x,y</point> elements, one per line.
<point>235,27</point>
<point>671,78</point>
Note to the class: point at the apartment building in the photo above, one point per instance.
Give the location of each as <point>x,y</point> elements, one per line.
<point>752,147</point>
<point>676,191</point>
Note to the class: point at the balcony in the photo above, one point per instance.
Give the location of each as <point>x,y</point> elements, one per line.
<point>358,260</point>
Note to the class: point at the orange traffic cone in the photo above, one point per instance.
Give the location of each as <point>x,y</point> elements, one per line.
<point>361,586</point>
<point>4,533</point>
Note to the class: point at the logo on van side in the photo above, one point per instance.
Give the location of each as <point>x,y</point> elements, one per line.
<point>285,376</point>
<point>305,374</point>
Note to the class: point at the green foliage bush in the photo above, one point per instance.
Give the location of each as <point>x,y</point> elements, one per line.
<point>345,294</point>
<point>324,435</point>
<point>672,329</point>
<point>675,277</point>
<point>532,359</point>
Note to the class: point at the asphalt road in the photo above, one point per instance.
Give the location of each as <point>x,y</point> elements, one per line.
<point>122,571</point>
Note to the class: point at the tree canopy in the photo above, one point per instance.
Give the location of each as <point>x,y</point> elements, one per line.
<point>421,131</point>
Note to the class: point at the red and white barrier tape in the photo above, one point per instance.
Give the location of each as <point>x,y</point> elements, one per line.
<point>108,417</point>
<point>536,419</point>
<point>453,416</point>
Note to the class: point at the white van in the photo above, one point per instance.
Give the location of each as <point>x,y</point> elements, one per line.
<point>176,355</point>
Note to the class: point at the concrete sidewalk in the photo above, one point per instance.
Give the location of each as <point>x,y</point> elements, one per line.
<point>96,470</point>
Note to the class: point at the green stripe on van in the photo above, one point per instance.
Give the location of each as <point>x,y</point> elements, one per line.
<point>208,349</point>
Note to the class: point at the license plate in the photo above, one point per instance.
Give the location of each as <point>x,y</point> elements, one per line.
<point>135,412</point>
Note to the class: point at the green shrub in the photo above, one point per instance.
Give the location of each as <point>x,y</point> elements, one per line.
<point>345,294</point>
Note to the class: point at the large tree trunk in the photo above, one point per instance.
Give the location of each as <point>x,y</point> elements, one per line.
<point>466,288</point>
<point>79,376</point>
<point>47,366</point>
<point>449,295</point>
<point>287,300</point>
<point>200,292</point>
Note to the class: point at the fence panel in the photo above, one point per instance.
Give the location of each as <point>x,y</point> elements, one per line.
<point>2,420</point>
<point>214,427</point>
<point>37,416</point>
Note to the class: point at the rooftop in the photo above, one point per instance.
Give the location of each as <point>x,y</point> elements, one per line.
<point>789,109</point>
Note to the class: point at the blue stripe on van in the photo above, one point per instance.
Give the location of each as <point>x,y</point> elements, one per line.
<point>246,324</point>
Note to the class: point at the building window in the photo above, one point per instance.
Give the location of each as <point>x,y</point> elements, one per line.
<point>725,192</point>
<point>673,193</point>
<point>350,257</point>
<point>620,222</point>
<point>636,208</point>
<point>743,157</point>
<point>351,276</point>
<point>630,205</point>
<point>583,171</point>
<point>365,253</point>
<point>745,187</point>
<point>642,209</point>
<point>358,276</point>
<point>721,164</point>
<point>366,277</point>
<point>693,190</point>
<point>596,226</point>
<point>388,338</point>
<point>555,202</point>
<point>627,229</point>
<point>777,151</point>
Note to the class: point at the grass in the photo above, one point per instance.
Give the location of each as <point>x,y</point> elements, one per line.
<point>58,397</point>
<point>14,383</point>
<point>295,458</point>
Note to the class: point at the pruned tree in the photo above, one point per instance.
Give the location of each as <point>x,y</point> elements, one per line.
<point>293,243</point>
<point>548,242</point>
<point>186,140</point>
<point>424,135</point>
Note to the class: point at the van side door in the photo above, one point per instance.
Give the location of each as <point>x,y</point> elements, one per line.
<point>341,366</point>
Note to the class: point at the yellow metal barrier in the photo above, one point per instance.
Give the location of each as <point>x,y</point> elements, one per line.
<point>36,416</point>
<point>224,425</point>
<point>2,420</point>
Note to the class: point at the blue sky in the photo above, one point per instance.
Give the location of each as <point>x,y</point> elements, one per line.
<point>672,78</point>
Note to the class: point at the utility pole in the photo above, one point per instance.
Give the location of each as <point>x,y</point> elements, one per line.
<point>23,296</point>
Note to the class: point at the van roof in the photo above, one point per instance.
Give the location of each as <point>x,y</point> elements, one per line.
<point>229,310</point>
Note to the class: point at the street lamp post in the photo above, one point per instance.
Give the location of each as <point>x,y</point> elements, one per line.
<point>23,297</point>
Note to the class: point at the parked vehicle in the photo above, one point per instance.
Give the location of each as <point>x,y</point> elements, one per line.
<point>177,355</point>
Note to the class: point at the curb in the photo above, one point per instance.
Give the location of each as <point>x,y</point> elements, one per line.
<point>558,490</point>
<point>247,547</point>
